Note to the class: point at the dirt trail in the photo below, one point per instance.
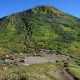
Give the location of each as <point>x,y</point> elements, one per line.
<point>51,58</point>
<point>65,75</point>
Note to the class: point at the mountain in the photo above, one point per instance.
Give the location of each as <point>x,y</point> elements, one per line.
<point>42,27</point>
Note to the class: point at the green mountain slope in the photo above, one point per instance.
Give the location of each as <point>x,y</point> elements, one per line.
<point>42,27</point>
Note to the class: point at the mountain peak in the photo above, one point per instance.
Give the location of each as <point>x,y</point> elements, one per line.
<point>46,9</point>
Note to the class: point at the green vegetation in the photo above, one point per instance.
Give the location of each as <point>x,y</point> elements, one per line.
<point>43,27</point>
<point>74,70</point>
<point>46,71</point>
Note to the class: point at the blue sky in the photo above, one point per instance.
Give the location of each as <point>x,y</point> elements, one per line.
<point>8,7</point>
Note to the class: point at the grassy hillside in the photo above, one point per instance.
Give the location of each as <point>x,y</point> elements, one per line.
<point>46,71</point>
<point>42,27</point>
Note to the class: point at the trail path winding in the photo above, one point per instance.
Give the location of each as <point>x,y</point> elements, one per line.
<point>51,58</point>
<point>65,75</point>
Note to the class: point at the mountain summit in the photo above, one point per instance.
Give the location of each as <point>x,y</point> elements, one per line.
<point>42,27</point>
<point>45,10</point>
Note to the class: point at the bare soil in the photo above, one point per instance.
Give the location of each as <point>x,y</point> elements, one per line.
<point>65,75</point>
<point>48,58</point>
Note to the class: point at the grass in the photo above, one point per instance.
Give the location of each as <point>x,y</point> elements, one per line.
<point>46,71</point>
<point>49,29</point>
<point>74,70</point>
<point>40,28</point>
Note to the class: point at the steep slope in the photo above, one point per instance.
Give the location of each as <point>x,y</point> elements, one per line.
<point>42,27</point>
